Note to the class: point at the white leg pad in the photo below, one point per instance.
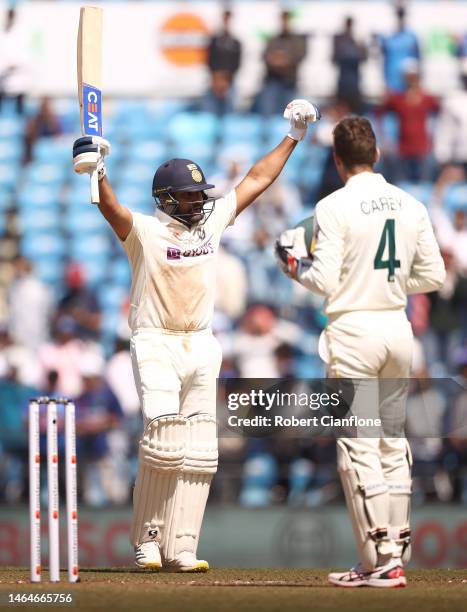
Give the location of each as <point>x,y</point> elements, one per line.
<point>400,490</point>
<point>367,501</point>
<point>200,465</point>
<point>161,457</point>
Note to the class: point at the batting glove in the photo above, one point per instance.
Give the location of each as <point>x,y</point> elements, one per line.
<point>89,153</point>
<point>291,253</point>
<point>300,113</point>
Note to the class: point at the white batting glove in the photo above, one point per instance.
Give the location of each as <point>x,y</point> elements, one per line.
<point>300,113</point>
<point>291,252</point>
<point>89,153</point>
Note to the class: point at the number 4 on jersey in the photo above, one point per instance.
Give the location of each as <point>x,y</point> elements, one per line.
<point>391,263</point>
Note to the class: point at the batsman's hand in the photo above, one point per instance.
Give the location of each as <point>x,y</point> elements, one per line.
<point>300,113</point>
<point>291,253</point>
<point>89,153</point>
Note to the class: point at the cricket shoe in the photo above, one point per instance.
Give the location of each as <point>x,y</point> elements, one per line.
<point>186,562</point>
<point>391,575</point>
<point>148,556</point>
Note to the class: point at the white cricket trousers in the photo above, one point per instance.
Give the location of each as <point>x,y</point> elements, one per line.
<point>373,344</point>
<point>175,372</point>
<point>378,346</point>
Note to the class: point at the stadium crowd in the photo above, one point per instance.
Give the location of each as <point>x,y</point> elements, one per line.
<point>64,279</point>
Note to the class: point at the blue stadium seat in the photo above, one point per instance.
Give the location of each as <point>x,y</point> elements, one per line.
<point>35,245</point>
<point>47,173</point>
<point>137,173</point>
<point>119,272</point>
<point>95,270</point>
<point>11,150</point>
<point>49,270</point>
<point>237,128</point>
<point>148,151</point>
<point>195,126</point>
<point>79,193</point>
<point>200,152</point>
<point>456,197</point>
<point>39,220</point>
<point>94,247</point>
<point>136,197</point>
<point>11,128</point>
<point>57,148</point>
<point>9,175</point>
<point>35,197</point>
<point>84,220</point>
<point>111,297</point>
<point>6,200</point>
<point>420,191</point>
<point>260,474</point>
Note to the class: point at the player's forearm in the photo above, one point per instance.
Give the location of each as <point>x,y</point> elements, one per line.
<point>426,280</point>
<point>268,168</point>
<point>118,216</point>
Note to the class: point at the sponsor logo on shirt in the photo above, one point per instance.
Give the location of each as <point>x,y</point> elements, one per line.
<point>175,253</point>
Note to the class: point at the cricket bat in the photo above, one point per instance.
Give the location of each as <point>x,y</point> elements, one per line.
<point>89,55</point>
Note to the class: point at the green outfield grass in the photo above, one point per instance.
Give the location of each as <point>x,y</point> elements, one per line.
<point>241,590</point>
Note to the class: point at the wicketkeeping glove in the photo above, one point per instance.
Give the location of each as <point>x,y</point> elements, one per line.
<point>291,253</point>
<point>89,153</point>
<point>300,113</point>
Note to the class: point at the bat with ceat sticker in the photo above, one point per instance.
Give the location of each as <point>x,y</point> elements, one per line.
<point>89,55</point>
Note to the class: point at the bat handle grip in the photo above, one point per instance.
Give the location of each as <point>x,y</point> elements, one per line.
<point>94,188</point>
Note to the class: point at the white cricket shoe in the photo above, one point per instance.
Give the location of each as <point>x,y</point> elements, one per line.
<point>148,556</point>
<point>391,575</point>
<point>186,562</point>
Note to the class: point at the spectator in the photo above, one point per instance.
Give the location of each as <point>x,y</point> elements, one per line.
<point>14,398</point>
<point>44,123</point>
<point>219,98</point>
<point>282,57</point>
<point>102,461</point>
<point>456,455</point>
<point>29,306</point>
<point>397,48</point>
<point>256,341</point>
<point>413,108</point>
<point>20,358</point>
<point>231,285</point>
<point>64,355</point>
<point>330,179</point>
<point>224,50</point>
<point>450,144</point>
<point>447,306</point>
<point>348,54</point>
<point>14,77</point>
<point>80,303</point>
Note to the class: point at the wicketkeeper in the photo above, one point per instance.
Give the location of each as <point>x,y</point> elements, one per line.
<point>373,246</point>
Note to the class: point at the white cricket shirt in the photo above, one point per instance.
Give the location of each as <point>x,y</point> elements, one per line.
<point>374,244</point>
<point>174,268</point>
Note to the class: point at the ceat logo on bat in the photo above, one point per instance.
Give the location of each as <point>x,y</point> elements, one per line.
<point>92,110</point>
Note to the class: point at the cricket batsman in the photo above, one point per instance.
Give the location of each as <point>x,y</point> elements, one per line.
<point>373,246</point>
<point>175,357</point>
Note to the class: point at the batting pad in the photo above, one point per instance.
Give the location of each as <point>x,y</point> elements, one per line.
<point>367,498</point>
<point>200,465</point>
<point>400,489</point>
<point>161,457</point>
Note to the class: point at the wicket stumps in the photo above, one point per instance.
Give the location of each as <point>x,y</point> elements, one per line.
<point>53,489</point>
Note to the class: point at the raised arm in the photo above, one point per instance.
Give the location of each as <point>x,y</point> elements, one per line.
<point>118,216</point>
<point>268,168</point>
<point>88,155</point>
